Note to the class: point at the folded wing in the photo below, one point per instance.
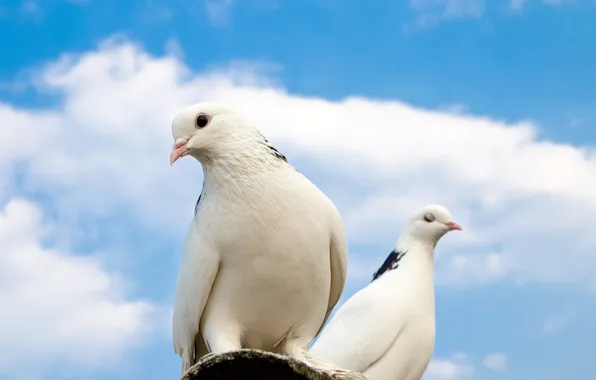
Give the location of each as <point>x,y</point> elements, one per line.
<point>197,274</point>
<point>361,331</point>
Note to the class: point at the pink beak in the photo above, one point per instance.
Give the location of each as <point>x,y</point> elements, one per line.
<point>178,150</point>
<point>453,226</point>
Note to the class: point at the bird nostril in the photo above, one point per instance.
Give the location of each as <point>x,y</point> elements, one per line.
<point>179,142</point>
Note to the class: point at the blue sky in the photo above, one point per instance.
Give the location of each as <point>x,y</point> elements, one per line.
<point>485,108</point>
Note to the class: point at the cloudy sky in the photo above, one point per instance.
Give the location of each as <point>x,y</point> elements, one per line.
<point>486,108</point>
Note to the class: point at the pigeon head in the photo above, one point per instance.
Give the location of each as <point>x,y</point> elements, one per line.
<point>430,224</point>
<point>207,130</point>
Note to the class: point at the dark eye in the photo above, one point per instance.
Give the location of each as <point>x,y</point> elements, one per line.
<point>429,218</point>
<point>202,121</point>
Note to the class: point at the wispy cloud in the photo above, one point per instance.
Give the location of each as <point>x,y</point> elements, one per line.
<point>461,270</point>
<point>455,367</point>
<point>153,11</point>
<point>518,6</point>
<point>32,10</point>
<point>558,321</point>
<point>496,362</point>
<point>30,7</point>
<point>430,12</point>
<point>219,11</point>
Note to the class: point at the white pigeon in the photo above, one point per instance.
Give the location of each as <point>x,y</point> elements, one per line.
<point>386,331</point>
<point>265,259</point>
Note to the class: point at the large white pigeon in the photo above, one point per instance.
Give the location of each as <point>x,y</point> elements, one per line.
<point>386,331</point>
<point>265,259</point>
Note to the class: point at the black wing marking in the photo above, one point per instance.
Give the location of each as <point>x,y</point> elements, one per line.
<point>197,204</point>
<point>199,200</point>
<point>276,153</point>
<point>391,263</point>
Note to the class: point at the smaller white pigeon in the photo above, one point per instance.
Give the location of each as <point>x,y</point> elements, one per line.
<point>386,331</point>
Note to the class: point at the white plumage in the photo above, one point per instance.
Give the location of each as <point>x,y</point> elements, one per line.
<point>387,330</point>
<point>265,259</point>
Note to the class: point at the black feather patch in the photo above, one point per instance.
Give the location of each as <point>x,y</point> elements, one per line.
<point>391,263</point>
<point>276,153</point>
<point>199,200</point>
<point>197,204</point>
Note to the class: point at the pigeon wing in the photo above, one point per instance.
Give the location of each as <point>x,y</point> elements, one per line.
<point>200,263</point>
<point>361,331</point>
<point>338,252</point>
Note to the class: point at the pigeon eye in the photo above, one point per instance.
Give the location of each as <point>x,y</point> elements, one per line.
<point>429,218</point>
<point>202,121</point>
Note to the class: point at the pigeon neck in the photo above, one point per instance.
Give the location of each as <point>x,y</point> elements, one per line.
<point>407,242</point>
<point>413,257</point>
<point>240,174</point>
<point>420,253</point>
<point>241,163</point>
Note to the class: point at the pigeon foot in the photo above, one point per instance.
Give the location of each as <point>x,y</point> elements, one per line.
<point>343,374</point>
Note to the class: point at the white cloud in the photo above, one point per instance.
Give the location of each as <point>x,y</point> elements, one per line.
<point>496,362</point>
<point>59,307</point>
<point>522,200</point>
<point>456,367</point>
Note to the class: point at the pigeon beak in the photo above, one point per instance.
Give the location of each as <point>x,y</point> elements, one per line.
<point>178,150</point>
<point>451,225</point>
